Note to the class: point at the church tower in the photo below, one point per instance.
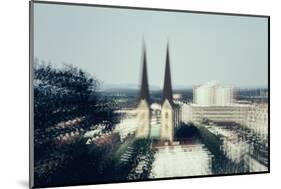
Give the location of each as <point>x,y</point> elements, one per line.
<point>167,111</point>
<point>143,106</point>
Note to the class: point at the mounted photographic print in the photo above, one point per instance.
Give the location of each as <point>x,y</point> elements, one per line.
<point>124,94</point>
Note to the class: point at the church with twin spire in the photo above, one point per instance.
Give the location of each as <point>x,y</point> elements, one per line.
<point>169,114</point>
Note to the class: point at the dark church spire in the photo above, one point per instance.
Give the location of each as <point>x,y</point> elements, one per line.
<point>167,89</point>
<point>144,90</point>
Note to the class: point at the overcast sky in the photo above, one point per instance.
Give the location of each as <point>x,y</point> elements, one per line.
<point>107,43</point>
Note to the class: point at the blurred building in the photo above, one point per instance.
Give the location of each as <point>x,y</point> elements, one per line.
<point>214,103</point>
<point>197,113</point>
<point>257,120</point>
<point>169,113</point>
<point>143,105</point>
<point>212,93</point>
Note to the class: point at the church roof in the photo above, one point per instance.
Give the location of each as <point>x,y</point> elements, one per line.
<point>167,89</point>
<point>144,90</point>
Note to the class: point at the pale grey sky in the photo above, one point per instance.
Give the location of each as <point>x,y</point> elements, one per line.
<point>107,43</point>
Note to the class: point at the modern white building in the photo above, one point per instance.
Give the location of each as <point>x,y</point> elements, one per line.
<point>215,103</point>
<point>231,113</point>
<point>212,93</point>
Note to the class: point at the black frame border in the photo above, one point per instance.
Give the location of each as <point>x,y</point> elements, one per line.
<point>31,113</point>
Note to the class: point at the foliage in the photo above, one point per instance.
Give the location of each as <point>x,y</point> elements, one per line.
<point>67,102</point>
<point>139,163</point>
<point>186,131</point>
<point>62,94</point>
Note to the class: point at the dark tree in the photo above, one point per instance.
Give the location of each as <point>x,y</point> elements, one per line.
<point>62,94</point>
<point>67,103</point>
<point>185,131</point>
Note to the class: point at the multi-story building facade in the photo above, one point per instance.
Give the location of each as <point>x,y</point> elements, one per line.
<point>212,93</point>
<point>231,113</point>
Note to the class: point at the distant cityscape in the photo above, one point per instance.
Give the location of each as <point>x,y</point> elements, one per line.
<point>87,135</point>
<point>236,118</point>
